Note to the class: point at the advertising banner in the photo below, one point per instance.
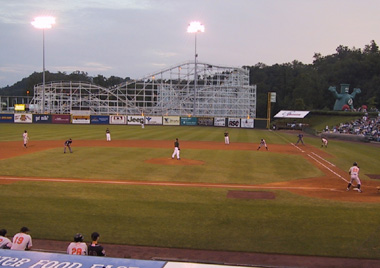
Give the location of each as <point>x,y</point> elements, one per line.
<point>61,119</point>
<point>205,121</point>
<point>135,119</point>
<point>247,123</point>
<point>23,118</point>
<point>80,119</point>
<point>189,121</point>
<point>171,121</point>
<point>153,120</point>
<point>118,119</point>
<point>219,121</point>
<point>291,114</point>
<point>34,259</point>
<point>233,122</point>
<point>100,119</point>
<point>6,118</point>
<point>42,118</point>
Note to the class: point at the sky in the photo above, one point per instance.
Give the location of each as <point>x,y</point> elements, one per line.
<point>134,38</point>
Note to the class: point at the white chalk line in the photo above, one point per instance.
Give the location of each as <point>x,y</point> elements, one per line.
<point>336,174</point>
<point>320,157</point>
<point>179,184</point>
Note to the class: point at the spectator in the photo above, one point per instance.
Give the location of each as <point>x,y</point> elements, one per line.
<point>94,249</point>
<point>22,240</point>
<point>78,247</point>
<point>5,243</point>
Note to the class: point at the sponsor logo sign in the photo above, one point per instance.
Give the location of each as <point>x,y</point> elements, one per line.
<point>118,119</point>
<point>219,121</point>
<point>42,118</point>
<point>153,120</point>
<point>6,118</point>
<point>291,114</point>
<point>61,119</point>
<point>135,119</point>
<point>23,118</point>
<point>100,119</point>
<point>171,120</point>
<point>205,121</point>
<point>247,123</point>
<point>33,259</point>
<point>233,122</point>
<point>189,121</point>
<point>80,119</point>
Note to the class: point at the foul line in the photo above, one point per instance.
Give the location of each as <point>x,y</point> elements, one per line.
<point>327,168</point>
<point>320,157</point>
<point>179,184</point>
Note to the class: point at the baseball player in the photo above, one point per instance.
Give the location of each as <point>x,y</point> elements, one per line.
<point>68,145</point>
<point>22,240</point>
<point>354,174</point>
<point>25,138</point>
<point>5,243</point>
<point>176,149</point>
<point>108,135</point>
<point>324,142</point>
<point>226,138</point>
<point>300,139</point>
<point>262,143</point>
<point>94,249</point>
<point>78,247</point>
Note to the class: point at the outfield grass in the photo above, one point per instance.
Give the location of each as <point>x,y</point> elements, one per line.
<point>200,218</point>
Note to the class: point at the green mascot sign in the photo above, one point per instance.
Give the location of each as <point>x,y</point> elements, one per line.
<point>344,101</point>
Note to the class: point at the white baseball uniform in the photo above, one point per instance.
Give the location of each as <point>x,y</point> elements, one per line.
<point>77,248</point>
<point>5,242</point>
<point>22,241</point>
<point>324,142</point>
<point>354,173</point>
<point>25,137</point>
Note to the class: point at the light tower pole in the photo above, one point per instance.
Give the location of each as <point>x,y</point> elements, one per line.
<point>195,27</point>
<point>45,22</point>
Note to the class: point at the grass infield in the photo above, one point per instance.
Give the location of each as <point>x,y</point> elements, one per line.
<point>199,218</point>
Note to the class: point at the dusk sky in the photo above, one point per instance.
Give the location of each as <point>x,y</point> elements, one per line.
<point>133,38</point>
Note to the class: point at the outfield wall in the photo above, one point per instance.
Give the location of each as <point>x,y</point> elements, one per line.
<point>85,119</point>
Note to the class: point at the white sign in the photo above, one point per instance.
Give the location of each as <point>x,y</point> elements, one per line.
<point>291,114</point>
<point>273,97</point>
<point>118,119</point>
<point>247,123</point>
<point>153,120</point>
<point>23,118</point>
<point>219,121</point>
<point>135,119</point>
<point>171,120</point>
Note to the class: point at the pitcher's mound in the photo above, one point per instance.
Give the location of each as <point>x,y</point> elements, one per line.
<point>169,161</point>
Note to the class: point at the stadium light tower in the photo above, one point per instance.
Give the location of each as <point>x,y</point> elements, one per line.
<point>195,27</point>
<point>45,22</point>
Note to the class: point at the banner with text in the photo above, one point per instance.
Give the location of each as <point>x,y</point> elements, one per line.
<point>219,121</point>
<point>233,122</point>
<point>171,120</point>
<point>33,259</point>
<point>80,119</point>
<point>6,118</point>
<point>23,118</point>
<point>99,119</point>
<point>135,119</point>
<point>153,120</point>
<point>118,119</point>
<point>61,119</point>
<point>247,123</point>
<point>189,121</point>
<point>42,118</point>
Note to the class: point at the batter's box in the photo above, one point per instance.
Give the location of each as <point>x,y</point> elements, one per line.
<point>251,195</point>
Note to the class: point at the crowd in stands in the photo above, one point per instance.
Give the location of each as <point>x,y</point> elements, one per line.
<point>365,126</point>
<point>23,241</point>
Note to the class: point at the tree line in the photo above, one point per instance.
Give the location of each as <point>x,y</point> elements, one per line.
<point>298,86</point>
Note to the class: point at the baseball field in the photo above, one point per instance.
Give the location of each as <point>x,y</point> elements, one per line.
<point>289,199</point>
